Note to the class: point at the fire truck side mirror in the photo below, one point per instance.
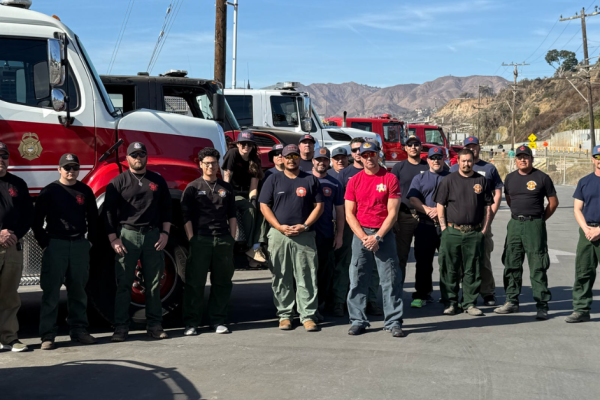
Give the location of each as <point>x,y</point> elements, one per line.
<point>56,68</point>
<point>219,107</point>
<point>306,112</point>
<point>58,99</point>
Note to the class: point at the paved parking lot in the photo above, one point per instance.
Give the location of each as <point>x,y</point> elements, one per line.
<point>461,357</point>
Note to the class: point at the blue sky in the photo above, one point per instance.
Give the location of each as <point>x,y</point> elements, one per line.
<point>379,43</point>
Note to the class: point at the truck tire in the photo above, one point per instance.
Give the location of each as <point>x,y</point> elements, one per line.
<point>102,286</point>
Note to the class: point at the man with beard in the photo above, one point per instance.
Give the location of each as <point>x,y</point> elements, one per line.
<point>329,236</point>
<point>464,210</point>
<point>291,202</point>
<point>372,202</point>
<point>343,255</point>
<point>68,209</point>
<point>427,239</point>
<point>16,213</point>
<point>489,172</point>
<point>138,201</point>
<point>339,161</point>
<point>307,152</point>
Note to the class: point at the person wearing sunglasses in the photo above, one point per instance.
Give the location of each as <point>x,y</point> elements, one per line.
<point>138,220</point>
<point>65,212</point>
<point>16,214</point>
<point>291,202</point>
<point>489,172</point>
<point>587,214</point>
<point>242,168</point>
<point>525,191</point>
<point>427,233</point>
<point>372,202</point>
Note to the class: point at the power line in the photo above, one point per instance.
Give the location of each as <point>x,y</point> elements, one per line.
<point>540,45</point>
<point>160,35</point>
<point>170,23</point>
<point>563,31</point>
<point>113,57</point>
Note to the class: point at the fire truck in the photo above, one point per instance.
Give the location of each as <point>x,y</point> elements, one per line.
<point>53,101</point>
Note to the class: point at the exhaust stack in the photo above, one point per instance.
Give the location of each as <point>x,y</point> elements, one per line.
<point>344,125</point>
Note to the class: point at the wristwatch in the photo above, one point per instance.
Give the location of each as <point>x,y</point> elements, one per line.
<point>378,238</point>
<point>305,227</point>
<point>165,232</point>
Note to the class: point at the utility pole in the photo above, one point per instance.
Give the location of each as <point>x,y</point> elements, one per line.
<point>586,63</point>
<point>220,40</point>
<point>514,106</point>
<point>479,104</point>
<point>235,24</point>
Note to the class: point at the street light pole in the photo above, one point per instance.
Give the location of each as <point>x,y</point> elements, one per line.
<point>235,24</point>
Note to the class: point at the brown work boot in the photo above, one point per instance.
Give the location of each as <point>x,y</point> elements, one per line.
<point>285,325</point>
<point>310,326</point>
<point>48,344</point>
<point>120,335</point>
<point>83,338</point>
<point>157,332</point>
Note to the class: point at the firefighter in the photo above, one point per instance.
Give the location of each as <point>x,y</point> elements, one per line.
<point>489,171</point>
<point>276,157</point>
<point>16,214</point>
<point>408,221</point>
<point>587,214</point>
<point>463,209</point>
<point>339,161</point>
<point>292,202</point>
<point>427,239</point>
<point>209,217</point>
<point>68,209</point>
<point>138,201</point>
<point>525,190</point>
<point>306,145</point>
<point>242,169</point>
<point>372,202</point>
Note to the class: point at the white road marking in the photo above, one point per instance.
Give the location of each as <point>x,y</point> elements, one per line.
<point>554,253</point>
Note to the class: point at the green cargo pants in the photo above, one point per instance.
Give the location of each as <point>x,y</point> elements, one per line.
<point>140,246</point>
<point>586,262</point>
<point>11,268</point>
<point>341,272</point>
<point>294,257</point>
<point>526,238</point>
<point>68,262</point>
<point>214,254</point>
<point>460,252</point>
<point>251,222</point>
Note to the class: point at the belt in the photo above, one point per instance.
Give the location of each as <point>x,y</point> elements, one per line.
<point>67,237</point>
<point>465,228</point>
<point>140,229</point>
<point>593,225</point>
<point>523,218</point>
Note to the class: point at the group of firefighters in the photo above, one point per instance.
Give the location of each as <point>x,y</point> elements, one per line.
<point>332,227</point>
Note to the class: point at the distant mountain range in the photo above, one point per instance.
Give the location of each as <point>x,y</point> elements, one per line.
<point>333,99</point>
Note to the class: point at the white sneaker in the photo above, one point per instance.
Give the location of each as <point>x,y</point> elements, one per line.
<point>257,255</point>
<point>190,332</point>
<point>220,329</point>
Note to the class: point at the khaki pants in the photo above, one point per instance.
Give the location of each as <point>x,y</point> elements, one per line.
<point>11,268</point>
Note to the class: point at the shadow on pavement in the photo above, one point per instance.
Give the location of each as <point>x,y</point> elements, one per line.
<point>96,379</point>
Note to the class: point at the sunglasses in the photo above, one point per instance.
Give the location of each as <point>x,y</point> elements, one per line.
<point>292,157</point>
<point>597,157</point>
<point>139,154</point>
<point>436,158</point>
<point>368,154</point>
<point>4,156</point>
<point>413,144</point>
<point>354,150</point>
<point>246,144</point>
<point>70,168</point>
<point>278,154</point>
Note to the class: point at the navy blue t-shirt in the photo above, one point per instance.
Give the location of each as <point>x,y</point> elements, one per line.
<point>332,172</point>
<point>423,187</point>
<point>348,173</point>
<point>292,200</point>
<point>488,171</point>
<point>270,172</point>
<point>588,191</point>
<point>333,195</point>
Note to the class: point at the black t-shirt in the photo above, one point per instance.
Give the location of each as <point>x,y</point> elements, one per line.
<point>67,210</point>
<point>332,172</point>
<point>465,198</point>
<point>306,165</point>
<point>348,173</point>
<point>405,171</point>
<point>527,192</point>
<point>292,200</point>
<point>129,203</point>
<point>269,172</point>
<point>209,206</point>
<point>16,207</point>
<point>242,176</point>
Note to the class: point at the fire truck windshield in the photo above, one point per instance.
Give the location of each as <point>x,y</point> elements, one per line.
<point>393,132</point>
<point>285,111</point>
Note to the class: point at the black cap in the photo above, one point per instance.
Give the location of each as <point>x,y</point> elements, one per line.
<point>136,146</point>
<point>245,136</point>
<point>4,148</point>
<point>290,149</point>
<point>523,150</point>
<point>67,159</point>
<point>307,137</point>
<point>323,152</point>
<point>339,151</point>
<point>277,148</point>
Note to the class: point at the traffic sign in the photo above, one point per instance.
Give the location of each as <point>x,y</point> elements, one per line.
<point>532,138</point>
<point>532,145</point>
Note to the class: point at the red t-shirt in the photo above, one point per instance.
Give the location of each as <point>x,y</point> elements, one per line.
<point>371,194</point>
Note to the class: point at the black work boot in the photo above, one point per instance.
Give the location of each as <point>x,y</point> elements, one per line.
<point>120,334</point>
<point>83,338</point>
<point>373,309</point>
<point>157,332</point>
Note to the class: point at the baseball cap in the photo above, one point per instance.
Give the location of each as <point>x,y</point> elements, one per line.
<point>339,151</point>
<point>67,159</point>
<point>323,152</point>
<point>523,150</point>
<point>290,149</point>
<point>307,137</point>
<point>595,152</point>
<point>368,146</point>
<point>136,146</point>
<point>435,151</point>
<point>4,148</point>
<point>471,140</point>
<point>414,138</point>
<point>245,136</point>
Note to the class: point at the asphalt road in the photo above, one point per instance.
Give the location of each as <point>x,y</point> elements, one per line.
<point>460,357</point>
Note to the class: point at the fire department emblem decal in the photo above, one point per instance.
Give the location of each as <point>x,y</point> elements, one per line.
<point>153,186</point>
<point>13,192</point>
<point>367,145</point>
<point>478,188</point>
<point>394,155</point>
<point>327,191</point>
<point>80,199</point>
<point>381,188</point>
<point>222,192</point>
<point>531,185</point>
<point>300,192</point>
<point>322,151</point>
<point>30,147</point>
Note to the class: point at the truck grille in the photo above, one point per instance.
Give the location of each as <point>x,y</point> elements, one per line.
<point>264,141</point>
<point>32,260</point>
<point>339,136</point>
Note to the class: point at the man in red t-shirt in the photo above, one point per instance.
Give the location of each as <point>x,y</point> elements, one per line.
<point>372,202</point>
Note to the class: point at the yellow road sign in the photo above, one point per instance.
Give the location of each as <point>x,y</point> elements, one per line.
<point>532,145</point>
<point>532,138</point>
